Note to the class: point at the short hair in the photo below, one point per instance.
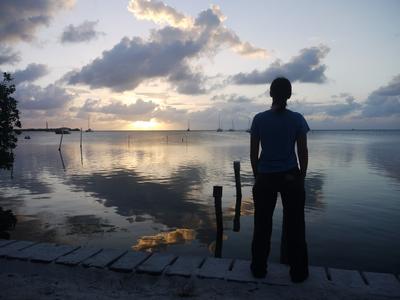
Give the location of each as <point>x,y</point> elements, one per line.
<point>281,88</point>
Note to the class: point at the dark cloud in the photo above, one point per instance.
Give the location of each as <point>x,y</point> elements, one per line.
<point>19,19</point>
<point>135,111</point>
<point>132,61</point>
<point>168,53</point>
<point>305,67</point>
<point>385,101</point>
<point>232,98</point>
<point>81,33</point>
<point>8,56</point>
<point>342,109</point>
<point>34,97</point>
<point>30,73</point>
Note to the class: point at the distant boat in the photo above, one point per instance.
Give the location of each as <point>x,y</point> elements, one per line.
<point>249,127</point>
<point>27,137</point>
<point>232,128</point>
<point>219,124</point>
<point>62,130</point>
<point>89,129</point>
<point>188,129</point>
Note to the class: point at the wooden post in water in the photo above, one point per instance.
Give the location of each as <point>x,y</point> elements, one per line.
<point>236,219</point>
<point>62,134</point>
<point>217,194</point>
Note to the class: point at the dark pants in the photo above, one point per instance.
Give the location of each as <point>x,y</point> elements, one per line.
<point>290,184</point>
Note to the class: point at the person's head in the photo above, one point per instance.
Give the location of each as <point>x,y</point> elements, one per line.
<point>280,91</point>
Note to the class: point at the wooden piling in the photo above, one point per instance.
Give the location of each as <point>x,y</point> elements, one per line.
<point>81,139</point>
<point>236,219</point>
<point>217,194</point>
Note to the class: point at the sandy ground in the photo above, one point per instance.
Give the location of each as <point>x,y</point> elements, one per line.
<point>26,280</point>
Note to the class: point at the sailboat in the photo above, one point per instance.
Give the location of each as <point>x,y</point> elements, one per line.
<point>219,124</point>
<point>249,127</point>
<point>232,128</point>
<point>89,129</point>
<point>188,129</point>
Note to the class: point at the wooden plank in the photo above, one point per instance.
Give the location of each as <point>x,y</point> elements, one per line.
<point>53,253</point>
<point>77,256</point>
<point>241,272</point>
<point>156,263</point>
<point>347,278</point>
<point>43,252</point>
<point>215,268</point>
<point>6,242</point>
<point>129,261</point>
<point>14,247</point>
<point>185,266</point>
<point>278,274</point>
<point>103,258</point>
<point>317,277</point>
<point>383,284</point>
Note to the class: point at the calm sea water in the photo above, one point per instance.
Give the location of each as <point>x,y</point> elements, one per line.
<point>153,191</point>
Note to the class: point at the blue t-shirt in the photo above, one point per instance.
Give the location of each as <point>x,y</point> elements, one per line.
<point>277,132</point>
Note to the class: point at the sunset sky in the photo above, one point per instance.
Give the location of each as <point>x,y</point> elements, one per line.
<point>150,64</point>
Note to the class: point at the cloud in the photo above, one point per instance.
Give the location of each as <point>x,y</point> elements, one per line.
<point>135,111</point>
<point>342,109</point>
<point>8,56</point>
<point>30,73</point>
<point>159,13</point>
<point>20,19</point>
<point>232,98</point>
<point>34,97</point>
<point>305,67</point>
<point>84,32</point>
<point>169,53</point>
<point>384,101</point>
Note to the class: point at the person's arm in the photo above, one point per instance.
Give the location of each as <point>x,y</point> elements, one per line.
<point>302,153</point>
<point>254,150</point>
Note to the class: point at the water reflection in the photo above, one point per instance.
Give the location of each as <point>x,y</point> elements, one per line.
<point>162,240</point>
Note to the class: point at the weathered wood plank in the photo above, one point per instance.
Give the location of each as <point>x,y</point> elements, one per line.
<point>215,268</point>
<point>185,266</point>
<point>6,242</point>
<point>53,254</point>
<point>129,261</point>
<point>241,272</point>
<point>383,284</point>
<point>14,247</point>
<point>156,263</point>
<point>43,252</point>
<point>77,256</point>
<point>348,278</point>
<point>317,277</point>
<point>103,258</point>
<point>278,274</point>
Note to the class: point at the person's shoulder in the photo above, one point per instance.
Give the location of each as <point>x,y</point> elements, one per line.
<point>260,115</point>
<point>295,114</point>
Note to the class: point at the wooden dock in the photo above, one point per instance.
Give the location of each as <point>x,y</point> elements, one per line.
<point>166,264</point>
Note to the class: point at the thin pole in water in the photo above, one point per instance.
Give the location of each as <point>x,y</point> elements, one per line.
<point>62,134</point>
<point>81,139</point>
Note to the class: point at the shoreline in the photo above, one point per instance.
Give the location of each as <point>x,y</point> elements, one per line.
<point>79,272</point>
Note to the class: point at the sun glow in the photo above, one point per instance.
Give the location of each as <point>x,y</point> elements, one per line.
<point>145,125</point>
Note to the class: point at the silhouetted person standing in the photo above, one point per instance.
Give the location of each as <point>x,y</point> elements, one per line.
<point>276,170</point>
